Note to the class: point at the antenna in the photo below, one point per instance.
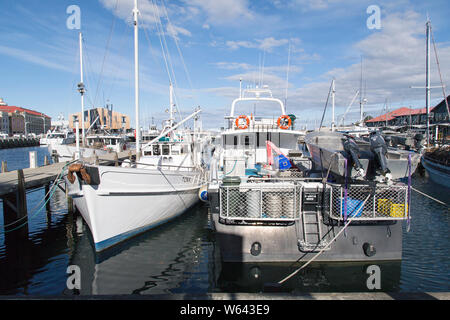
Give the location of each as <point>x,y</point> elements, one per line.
<point>287,74</point>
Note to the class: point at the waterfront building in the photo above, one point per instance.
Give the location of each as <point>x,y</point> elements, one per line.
<point>24,121</point>
<point>101,118</point>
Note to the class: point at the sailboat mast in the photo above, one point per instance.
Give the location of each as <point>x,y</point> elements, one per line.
<point>136,79</point>
<point>81,88</point>
<point>171,106</point>
<point>333,92</point>
<point>428,84</point>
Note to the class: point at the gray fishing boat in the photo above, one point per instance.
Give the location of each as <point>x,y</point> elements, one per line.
<point>329,151</point>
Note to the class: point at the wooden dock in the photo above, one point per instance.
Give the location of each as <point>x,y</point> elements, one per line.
<point>14,185</point>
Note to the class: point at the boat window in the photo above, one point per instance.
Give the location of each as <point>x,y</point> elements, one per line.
<point>247,140</point>
<point>235,140</point>
<point>156,150</point>
<point>113,142</point>
<point>165,149</point>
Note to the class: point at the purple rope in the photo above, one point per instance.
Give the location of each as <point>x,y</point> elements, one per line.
<point>345,191</point>
<point>409,190</point>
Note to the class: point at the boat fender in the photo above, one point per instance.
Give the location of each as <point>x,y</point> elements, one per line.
<point>203,194</point>
<point>245,125</point>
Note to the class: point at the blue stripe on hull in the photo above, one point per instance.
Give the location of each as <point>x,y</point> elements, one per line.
<point>105,244</point>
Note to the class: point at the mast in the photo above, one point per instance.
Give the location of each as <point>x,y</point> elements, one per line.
<point>428,85</point>
<point>287,75</point>
<point>333,91</point>
<point>171,106</point>
<point>136,79</point>
<point>360,96</point>
<point>81,88</point>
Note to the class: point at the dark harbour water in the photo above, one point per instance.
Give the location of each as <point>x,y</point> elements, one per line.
<point>183,257</point>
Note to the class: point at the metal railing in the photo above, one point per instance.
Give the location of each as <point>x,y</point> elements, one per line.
<point>260,201</point>
<point>365,202</point>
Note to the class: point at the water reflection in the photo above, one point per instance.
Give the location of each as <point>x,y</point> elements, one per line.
<point>319,277</point>
<point>162,260</point>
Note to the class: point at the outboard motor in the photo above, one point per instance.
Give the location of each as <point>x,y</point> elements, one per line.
<point>379,148</point>
<point>418,141</point>
<point>352,149</point>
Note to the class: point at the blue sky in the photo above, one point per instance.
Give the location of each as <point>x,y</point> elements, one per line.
<point>221,41</point>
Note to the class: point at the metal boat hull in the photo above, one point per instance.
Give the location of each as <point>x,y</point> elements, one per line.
<point>280,243</point>
<point>326,151</point>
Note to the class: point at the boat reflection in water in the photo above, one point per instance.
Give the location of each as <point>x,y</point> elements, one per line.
<point>318,277</point>
<point>160,261</point>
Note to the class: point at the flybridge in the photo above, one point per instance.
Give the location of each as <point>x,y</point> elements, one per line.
<point>256,94</point>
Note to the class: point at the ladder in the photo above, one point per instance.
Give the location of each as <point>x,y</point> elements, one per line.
<point>312,232</point>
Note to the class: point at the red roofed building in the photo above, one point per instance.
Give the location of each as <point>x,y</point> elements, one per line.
<point>24,121</point>
<point>405,116</point>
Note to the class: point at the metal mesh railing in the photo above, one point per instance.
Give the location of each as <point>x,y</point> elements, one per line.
<point>364,202</point>
<point>260,201</point>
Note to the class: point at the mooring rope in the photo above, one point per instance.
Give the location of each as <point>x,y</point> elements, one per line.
<point>49,194</point>
<point>430,197</point>
<point>324,248</point>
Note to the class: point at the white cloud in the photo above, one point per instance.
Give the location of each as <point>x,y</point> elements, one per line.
<point>223,12</point>
<point>266,44</point>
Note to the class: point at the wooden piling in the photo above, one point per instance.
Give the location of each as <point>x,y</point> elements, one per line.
<point>46,162</point>
<point>47,203</point>
<point>15,209</point>
<point>4,167</point>
<point>70,208</point>
<point>116,159</point>
<point>33,159</point>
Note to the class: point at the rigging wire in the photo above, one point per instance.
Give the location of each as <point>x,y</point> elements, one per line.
<point>106,53</point>
<point>439,70</point>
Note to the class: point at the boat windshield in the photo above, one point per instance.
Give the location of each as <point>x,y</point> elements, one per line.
<point>252,140</point>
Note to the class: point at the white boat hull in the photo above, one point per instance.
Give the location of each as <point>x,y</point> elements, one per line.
<point>129,201</point>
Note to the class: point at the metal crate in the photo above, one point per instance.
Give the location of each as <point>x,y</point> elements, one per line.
<point>366,202</point>
<point>260,201</point>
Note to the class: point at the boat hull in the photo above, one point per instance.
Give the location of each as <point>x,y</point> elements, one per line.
<point>129,201</point>
<point>326,151</point>
<point>280,243</point>
<point>438,173</point>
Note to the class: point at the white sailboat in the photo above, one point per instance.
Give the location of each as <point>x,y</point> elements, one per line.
<point>120,202</point>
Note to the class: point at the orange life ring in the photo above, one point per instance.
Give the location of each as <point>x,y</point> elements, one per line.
<point>281,126</point>
<point>247,122</point>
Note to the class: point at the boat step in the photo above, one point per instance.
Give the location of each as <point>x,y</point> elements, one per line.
<point>313,247</point>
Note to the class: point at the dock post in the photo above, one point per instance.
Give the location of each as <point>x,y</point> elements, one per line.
<point>21,195</point>
<point>33,159</point>
<point>46,162</point>
<point>4,167</point>
<point>116,159</point>
<point>47,203</point>
<point>15,208</point>
<point>69,201</point>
